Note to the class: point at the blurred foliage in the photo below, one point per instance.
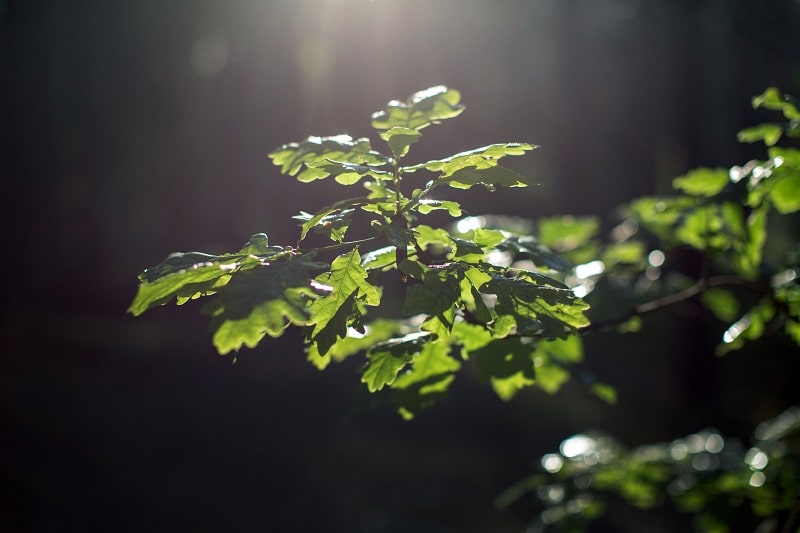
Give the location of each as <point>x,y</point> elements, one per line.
<point>513,298</point>
<point>724,217</point>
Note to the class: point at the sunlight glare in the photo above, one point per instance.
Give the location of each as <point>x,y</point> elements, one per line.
<point>577,445</point>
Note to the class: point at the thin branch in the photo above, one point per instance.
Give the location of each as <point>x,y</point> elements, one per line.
<point>681,296</point>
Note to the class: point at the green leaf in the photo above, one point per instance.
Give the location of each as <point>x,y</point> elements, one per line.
<point>550,375</point>
<point>379,259</point>
<point>354,342</point>
<point>422,109</point>
<point>340,148</point>
<point>773,99</point>
<point>343,172</point>
<point>193,274</point>
<point>479,158</point>
<point>626,252</point>
<point>490,177</point>
<point>537,309</point>
<point>331,315</point>
<point>386,359</point>
<point>333,224</point>
<point>400,139</point>
<point>433,361</point>
<point>327,214</point>
<point>436,297</point>
<point>721,302</point>
<point>426,206</point>
<point>260,301</point>
<point>769,133</point>
<point>702,182</point>
<point>507,364</point>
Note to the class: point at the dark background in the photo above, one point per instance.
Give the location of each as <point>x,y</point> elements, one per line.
<point>134,129</point>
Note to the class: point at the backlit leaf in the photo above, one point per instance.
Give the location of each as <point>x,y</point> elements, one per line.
<point>331,315</point>
<point>702,182</point>
<point>400,139</point>
<point>479,158</point>
<point>292,157</point>
<point>386,359</point>
<point>422,109</point>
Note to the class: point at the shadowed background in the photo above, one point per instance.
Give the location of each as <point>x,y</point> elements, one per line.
<point>132,129</point>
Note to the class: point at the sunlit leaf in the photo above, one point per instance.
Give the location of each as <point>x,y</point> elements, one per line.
<point>452,208</point>
<point>479,158</point>
<point>292,157</point>
<point>721,302</point>
<point>773,99</point>
<point>507,364</point>
<point>261,301</point>
<point>467,177</point>
<point>354,342</point>
<point>537,309</point>
<point>331,315</point>
<point>422,109</point>
<point>386,359</point>
<point>189,275</point>
<point>768,133</point>
<point>626,252</point>
<point>433,361</point>
<point>702,182</point>
<point>400,139</point>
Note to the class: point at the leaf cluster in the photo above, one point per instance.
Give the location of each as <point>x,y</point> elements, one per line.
<point>466,297</point>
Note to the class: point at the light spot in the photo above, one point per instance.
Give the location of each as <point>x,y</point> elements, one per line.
<point>715,443</point>
<point>756,459</point>
<point>656,258</point>
<point>470,223</point>
<point>678,451</point>
<point>551,493</point>
<point>577,445</point>
<point>757,479</point>
<point>552,462</point>
<point>592,268</point>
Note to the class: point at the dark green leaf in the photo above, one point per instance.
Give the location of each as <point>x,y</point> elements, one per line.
<point>527,247</point>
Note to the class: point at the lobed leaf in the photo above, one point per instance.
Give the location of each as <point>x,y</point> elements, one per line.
<point>260,301</point>
<point>422,109</point>
<point>190,275</point>
<point>400,139</point>
<point>331,315</point>
<point>480,158</point>
<point>386,359</point>
<point>340,149</point>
